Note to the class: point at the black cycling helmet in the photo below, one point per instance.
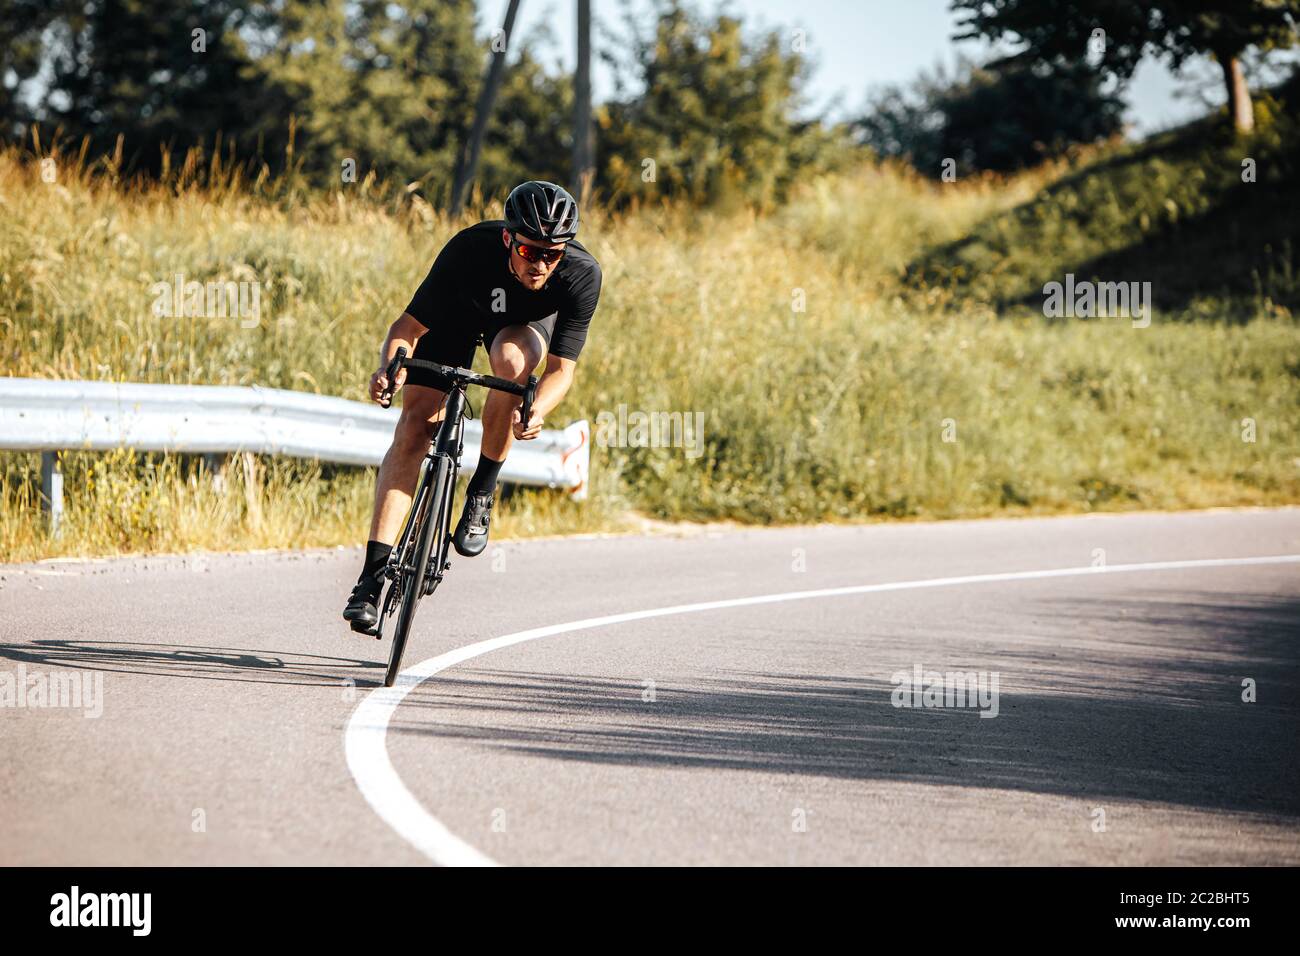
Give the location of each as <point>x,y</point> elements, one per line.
<point>544,212</point>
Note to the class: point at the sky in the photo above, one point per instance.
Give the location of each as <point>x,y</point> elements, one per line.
<point>855,46</point>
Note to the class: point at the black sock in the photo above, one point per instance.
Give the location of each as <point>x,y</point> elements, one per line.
<point>376,556</point>
<point>484,481</point>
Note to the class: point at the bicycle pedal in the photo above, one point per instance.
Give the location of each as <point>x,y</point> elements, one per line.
<point>368,629</point>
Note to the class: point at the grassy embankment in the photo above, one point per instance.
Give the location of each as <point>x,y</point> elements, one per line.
<point>921,322</point>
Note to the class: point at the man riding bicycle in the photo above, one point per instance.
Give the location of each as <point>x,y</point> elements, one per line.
<point>543,306</point>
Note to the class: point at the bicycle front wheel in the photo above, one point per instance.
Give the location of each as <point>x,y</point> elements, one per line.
<point>413,572</point>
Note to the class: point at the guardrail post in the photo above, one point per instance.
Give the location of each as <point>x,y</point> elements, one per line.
<point>52,490</point>
<point>252,488</point>
<point>215,462</point>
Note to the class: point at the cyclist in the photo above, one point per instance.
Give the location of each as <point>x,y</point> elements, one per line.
<point>524,287</point>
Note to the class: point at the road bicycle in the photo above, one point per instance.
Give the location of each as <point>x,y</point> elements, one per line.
<point>419,559</point>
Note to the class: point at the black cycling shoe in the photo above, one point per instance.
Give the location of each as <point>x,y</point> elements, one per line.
<point>362,611</point>
<point>472,531</point>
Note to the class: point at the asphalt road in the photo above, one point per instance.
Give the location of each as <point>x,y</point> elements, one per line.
<point>239,721</point>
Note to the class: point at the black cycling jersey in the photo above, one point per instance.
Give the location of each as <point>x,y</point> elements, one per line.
<point>470,284</point>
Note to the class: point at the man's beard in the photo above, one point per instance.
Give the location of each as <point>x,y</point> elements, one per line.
<point>511,268</point>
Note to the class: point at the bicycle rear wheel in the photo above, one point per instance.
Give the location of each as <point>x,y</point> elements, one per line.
<point>430,523</point>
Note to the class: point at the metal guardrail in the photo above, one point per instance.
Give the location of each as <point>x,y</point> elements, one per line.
<point>51,416</point>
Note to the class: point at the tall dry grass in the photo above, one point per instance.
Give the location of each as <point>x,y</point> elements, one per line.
<point>828,390</point>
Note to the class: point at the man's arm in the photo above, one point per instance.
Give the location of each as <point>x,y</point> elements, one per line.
<point>561,362</point>
<point>403,333</point>
<point>434,293</point>
<point>551,389</point>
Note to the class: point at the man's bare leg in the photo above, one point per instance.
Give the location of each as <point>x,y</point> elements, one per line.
<point>422,410</point>
<point>515,352</point>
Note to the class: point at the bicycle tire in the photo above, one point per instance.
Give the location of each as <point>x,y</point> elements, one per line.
<point>405,543</point>
<point>445,504</point>
<point>412,578</point>
<point>443,540</point>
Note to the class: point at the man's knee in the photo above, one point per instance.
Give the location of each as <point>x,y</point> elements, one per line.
<point>514,359</point>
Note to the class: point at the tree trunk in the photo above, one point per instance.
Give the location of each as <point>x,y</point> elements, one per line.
<point>583,160</point>
<point>467,160</point>
<point>1239,106</point>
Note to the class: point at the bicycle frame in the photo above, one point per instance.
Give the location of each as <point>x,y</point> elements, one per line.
<point>448,442</point>
<point>414,576</point>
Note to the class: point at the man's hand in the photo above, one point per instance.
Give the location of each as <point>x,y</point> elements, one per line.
<point>534,425</point>
<point>379,382</point>
<point>402,334</point>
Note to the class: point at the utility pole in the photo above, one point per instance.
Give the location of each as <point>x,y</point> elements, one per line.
<point>467,159</point>
<point>583,151</point>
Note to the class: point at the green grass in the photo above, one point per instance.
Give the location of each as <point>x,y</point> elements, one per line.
<point>1174,210</point>
<point>838,410</point>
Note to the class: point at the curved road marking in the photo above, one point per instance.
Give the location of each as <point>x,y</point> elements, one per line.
<point>367,748</point>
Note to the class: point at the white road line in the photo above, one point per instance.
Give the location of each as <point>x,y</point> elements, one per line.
<point>365,738</point>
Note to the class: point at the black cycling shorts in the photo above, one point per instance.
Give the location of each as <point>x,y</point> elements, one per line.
<point>454,342</point>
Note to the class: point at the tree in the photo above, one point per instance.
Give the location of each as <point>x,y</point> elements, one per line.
<point>22,51</point>
<point>393,85</point>
<point>151,71</point>
<point>714,117</point>
<point>998,118</point>
<point>531,132</point>
<point>1122,32</point>
<point>387,85</point>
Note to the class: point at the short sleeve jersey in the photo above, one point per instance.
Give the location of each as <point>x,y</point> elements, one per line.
<point>471,279</point>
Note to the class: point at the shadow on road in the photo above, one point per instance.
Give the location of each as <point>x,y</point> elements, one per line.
<point>1142,702</point>
<point>184,660</point>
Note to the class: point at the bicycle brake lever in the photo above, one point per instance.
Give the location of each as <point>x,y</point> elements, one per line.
<point>395,366</point>
<point>526,412</point>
